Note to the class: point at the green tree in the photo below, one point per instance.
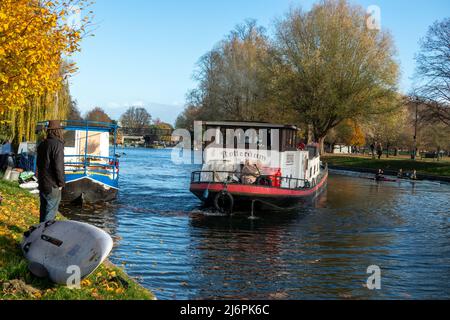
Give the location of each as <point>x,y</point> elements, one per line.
<point>186,119</point>
<point>332,68</point>
<point>388,128</point>
<point>20,124</point>
<point>232,80</point>
<point>74,112</point>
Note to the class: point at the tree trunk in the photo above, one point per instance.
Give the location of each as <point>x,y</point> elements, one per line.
<point>310,134</point>
<point>321,141</point>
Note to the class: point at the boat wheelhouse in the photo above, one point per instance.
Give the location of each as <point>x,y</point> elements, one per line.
<point>253,163</point>
<point>91,163</point>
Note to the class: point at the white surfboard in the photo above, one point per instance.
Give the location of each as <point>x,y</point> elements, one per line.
<point>59,249</point>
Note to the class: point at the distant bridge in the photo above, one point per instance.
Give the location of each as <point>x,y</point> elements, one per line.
<point>147,136</point>
<point>143,132</point>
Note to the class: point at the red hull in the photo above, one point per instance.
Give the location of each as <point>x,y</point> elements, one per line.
<point>245,194</point>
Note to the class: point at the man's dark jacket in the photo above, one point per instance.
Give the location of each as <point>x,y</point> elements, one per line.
<point>50,165</point>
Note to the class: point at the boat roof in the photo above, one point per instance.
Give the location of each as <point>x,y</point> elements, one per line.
<point>78,125</point>
<point>248,124</point>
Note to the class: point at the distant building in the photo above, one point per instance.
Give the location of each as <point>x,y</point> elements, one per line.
<point>133,141</point>
<point>342,149</point>
<point>156,135</point>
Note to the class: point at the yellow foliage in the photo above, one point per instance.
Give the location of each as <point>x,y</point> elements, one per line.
<point>33,44</point>
<point>358,138</point>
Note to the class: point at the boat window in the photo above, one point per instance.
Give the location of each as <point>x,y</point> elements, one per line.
<point>313,151</point>
<point>251,139</point>
<point>264,139</point>
<point>288,140</point>
<point>94,143</point>
<point>239,140</point>
<point>69,139</point>
<point>212,137</point>
<point>276,142</point>
<point>222,141</point>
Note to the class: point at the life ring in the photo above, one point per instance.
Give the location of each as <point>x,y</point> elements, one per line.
<point>224,202</point>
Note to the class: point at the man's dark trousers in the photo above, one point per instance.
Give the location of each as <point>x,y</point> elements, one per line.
<point>49,204</point>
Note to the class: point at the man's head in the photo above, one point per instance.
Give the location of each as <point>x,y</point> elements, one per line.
<point>54,130</point>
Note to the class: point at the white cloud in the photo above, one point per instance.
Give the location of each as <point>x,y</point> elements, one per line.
<point>140,104</point>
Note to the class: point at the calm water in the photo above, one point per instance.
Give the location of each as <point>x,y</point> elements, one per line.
<point>320,252</point>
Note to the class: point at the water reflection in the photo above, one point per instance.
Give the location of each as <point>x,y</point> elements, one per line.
<point>322,251</point>
<point>102,216</point>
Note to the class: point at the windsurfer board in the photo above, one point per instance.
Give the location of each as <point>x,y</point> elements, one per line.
<point>60,249</point>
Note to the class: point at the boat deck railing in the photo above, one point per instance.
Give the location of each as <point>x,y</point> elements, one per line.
<point>82,124</point>
<point>228,177</point>
<point>88,165</point>
<point>286,182</point>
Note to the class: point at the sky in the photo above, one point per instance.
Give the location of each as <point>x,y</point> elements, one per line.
<point>144,52</point>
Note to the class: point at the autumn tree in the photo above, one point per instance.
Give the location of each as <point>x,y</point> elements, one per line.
<point>433,70</point>
<point>136,118</point>
<point>98,115</point>
<point>332,67</point>
<point>35,41</point>
<point>348,132</point>
<point>358,137</point>
<point>234,80</point>
<point>341,134</point>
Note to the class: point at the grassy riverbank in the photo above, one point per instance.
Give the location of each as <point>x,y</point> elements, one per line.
<point>427,167</point>
<point>18,211</point>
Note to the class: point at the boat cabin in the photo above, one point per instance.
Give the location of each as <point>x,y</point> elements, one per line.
<point>268,149</point>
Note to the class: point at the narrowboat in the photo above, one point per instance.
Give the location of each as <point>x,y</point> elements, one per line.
<point>91,163</point>
<point>249,164</point>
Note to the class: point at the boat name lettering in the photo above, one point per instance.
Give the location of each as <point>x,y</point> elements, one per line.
<point>242,154</point>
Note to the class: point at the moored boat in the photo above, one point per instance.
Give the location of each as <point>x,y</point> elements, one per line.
<point>91,162</point>
<point>248,164</point>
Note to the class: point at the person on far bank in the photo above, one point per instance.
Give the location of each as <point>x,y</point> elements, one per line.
<point>50,166</point>
<point>372,149</point>
<point>379,150</point>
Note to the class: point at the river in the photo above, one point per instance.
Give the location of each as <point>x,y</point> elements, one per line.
<point>322,251</point>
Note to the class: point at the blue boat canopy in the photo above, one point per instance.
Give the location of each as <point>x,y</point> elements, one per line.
<point>73,125</point>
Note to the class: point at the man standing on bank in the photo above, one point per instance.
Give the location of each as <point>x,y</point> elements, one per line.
<point>50,166</point>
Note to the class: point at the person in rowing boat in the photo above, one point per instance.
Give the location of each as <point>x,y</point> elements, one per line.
<point>380,175</point>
